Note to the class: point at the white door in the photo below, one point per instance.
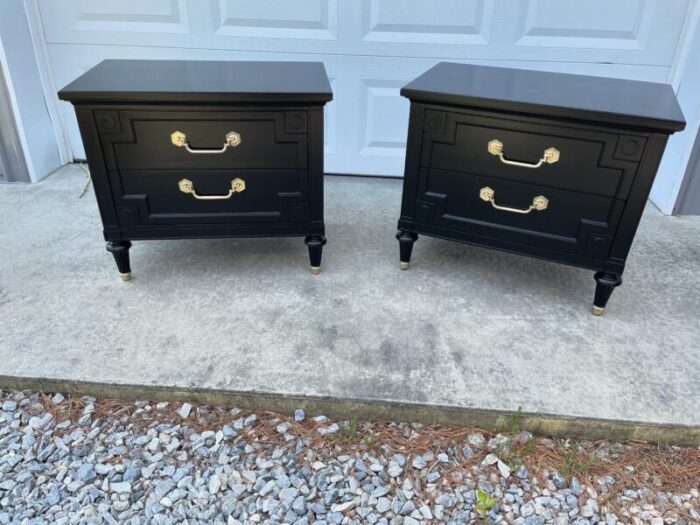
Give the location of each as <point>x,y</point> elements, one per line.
<point>370,48</point>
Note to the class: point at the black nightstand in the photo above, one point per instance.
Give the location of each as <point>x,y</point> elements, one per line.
<point>185,149</point>
<point>543,164</point>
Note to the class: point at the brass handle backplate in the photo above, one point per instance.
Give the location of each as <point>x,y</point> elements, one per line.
<point>186,186</point>
<point>549,156</point>
<point>179,139</point>
<point>539,203</point>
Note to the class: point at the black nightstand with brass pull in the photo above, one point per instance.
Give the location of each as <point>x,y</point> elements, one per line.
<point>186,149</point>
<point>543,164</point>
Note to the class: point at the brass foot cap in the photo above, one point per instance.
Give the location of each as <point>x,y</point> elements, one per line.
<point>125,276</point>
<point>315,270</point>
<point>597,310</point>
<point>403,265</point>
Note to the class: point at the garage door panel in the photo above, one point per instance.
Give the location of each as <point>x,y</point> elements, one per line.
<point>330,121</point>
<point>68,18</point>
<point>294,19</point>
<point>623,31</point>
<point>448,22</point>
<point>597,22</point>
<point>381,102</point>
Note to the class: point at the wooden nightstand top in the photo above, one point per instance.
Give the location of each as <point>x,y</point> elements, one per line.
<point>621,102</point>
<point>192,81</point>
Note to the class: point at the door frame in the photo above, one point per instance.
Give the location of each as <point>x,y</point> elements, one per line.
<point>13,163</point>
<point>48,84</point>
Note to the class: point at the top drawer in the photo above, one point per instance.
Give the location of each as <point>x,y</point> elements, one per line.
<point>195,140</point>
<point>560,156</point>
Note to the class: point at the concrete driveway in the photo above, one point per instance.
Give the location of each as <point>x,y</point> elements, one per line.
<point>467,335</point>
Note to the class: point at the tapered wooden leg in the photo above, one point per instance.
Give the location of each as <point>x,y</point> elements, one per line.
<point>406,240</point>
<point>606,282</point>
<point>315,244</point>
<point>120,251</point>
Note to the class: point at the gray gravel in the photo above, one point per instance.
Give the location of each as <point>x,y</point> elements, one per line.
<point>113,468</point>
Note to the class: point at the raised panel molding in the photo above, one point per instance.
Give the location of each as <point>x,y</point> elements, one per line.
<point>622,24</point>
<point>330,120</point>
<point>154,16</point>
<point>465,22</point>
<point>381,103</point>
<point>296,19</point>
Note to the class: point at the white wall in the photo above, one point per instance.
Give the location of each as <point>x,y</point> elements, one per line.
<point>23,79</point>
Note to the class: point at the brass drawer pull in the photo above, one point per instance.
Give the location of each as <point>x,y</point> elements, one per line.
<point>179,139</point>
<point>186,186</point>
<point>539,203</point>
<point>550,155</point>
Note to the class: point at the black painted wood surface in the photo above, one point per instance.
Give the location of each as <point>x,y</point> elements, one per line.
<point>260,131</point>
<point>598,99</point>
<point>591,161</point>
<point>126,119</point>
<point>188,81</point>
<point>610,135</point>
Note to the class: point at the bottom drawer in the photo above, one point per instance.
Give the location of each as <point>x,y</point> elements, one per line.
<point>517,212</point>
<point>181,197</point>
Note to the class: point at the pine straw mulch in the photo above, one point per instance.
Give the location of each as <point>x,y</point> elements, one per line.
<point>633,465</point>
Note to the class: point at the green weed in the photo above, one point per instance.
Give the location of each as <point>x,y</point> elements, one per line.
<point>515,424</point>
<point>483,503</point>
<point>574,463</point>
<point>351,429</point>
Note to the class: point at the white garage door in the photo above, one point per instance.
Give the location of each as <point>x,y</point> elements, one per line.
<point>370,48</point>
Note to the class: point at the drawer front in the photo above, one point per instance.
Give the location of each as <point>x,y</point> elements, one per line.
<point>557,156</point>
<point>201,140</point>
<point>210,197</point>
<point>518,213</point>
